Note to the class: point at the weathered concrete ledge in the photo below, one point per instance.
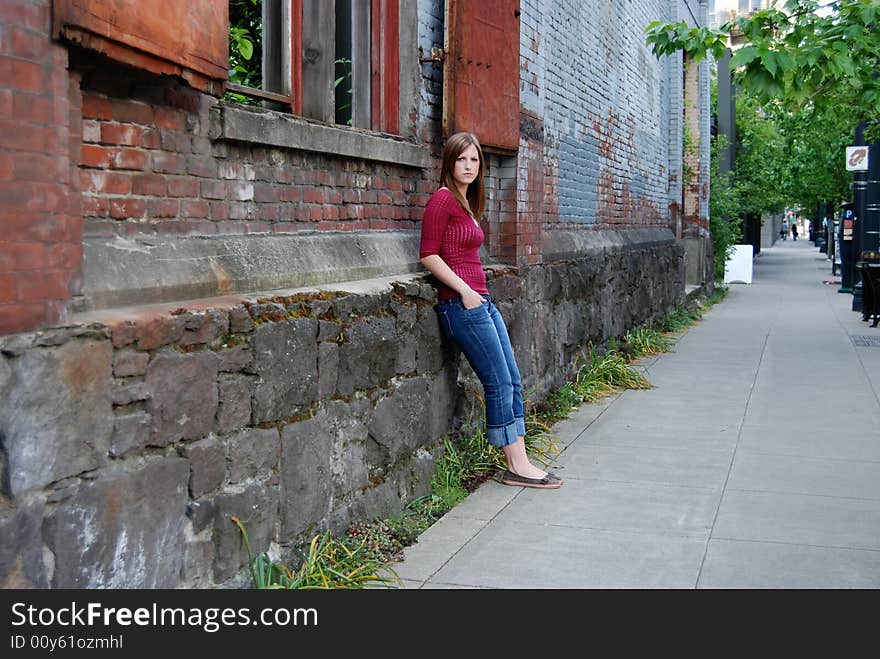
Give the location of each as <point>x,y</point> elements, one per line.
<point>153,269</point>
<point>266,127</point>
<point>135,312</point>
<point>567,244</point>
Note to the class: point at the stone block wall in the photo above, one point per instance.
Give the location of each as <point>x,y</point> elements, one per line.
<point>128,441</point>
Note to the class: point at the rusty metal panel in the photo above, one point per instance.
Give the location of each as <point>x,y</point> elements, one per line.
<point>193,35</point>
<point>385,93</point>
<point>481,72</point>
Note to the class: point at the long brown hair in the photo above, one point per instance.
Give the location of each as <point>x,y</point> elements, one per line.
<point>476,190</point>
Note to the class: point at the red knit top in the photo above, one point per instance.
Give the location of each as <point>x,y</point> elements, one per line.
<point>452,234</point>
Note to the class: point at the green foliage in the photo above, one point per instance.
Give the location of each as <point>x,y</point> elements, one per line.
<point>758,184</point>
<point>245,47</point>
<point>606,374</point>
<point>331,563</point>
<point>796,55</point>
<point>468,461</point>
<point>646,341</point>
<point>805,80</point>
<point>725,211</point>
<point>682,317</point>
<point>383,540</point>
<point>378,538</point>
<point>541,444</point>
<point>685,315</point>
<point>245,41</point>
<point>670,38</point>
<point>718,294</point>
<point>761,159</point>
<point>725,235</point>
<point>560,403</point>
<point>447,482</point>
<point>344,93</point>
<point>784,158</point>
<point>690,149</point>
<point>815,141</point>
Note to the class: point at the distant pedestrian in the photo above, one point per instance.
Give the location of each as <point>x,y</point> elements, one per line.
<point>793,231</point>
<point>450,241</point>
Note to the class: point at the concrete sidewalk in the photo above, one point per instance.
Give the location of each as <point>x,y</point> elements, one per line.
<point>753,463</point>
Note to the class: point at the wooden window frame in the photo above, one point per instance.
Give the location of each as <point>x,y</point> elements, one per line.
<point>290,57</point>
<point>307,70</point>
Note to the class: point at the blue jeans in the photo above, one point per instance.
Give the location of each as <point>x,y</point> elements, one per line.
<point>481,335</point>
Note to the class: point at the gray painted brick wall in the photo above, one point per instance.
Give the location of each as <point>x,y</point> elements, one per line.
<point>604,99</point>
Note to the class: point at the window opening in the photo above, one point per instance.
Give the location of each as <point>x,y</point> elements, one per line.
<point>245,51</point>
<point>261,51</point>
<point>342,84</point>
<point>332,61</point>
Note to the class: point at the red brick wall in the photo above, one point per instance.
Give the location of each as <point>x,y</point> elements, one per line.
<point>40,218</point>
<point>148,165</point>
<point>537,188</point>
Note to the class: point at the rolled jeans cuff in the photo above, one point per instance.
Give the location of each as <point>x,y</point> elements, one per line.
<point>506,435</point>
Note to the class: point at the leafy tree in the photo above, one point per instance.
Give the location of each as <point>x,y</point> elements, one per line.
<point>814,147</point>
<point>806,78</point>
<point>755,187</point>
<point>761,159</point>
<point>796,56</point>
<point>724,211</point>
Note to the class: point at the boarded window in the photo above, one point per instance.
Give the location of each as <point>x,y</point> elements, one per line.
<point>481,72</point>
<point>176,37</point>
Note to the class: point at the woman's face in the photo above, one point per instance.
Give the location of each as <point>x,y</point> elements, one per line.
<point>467,166</point>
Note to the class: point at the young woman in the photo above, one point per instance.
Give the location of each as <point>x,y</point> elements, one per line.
<point>450,244</point>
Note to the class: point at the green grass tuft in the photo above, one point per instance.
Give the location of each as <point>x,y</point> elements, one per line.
<point>350,563</point>
<point>603,375</point>
<point>682,317</point>
<point>647,341</point>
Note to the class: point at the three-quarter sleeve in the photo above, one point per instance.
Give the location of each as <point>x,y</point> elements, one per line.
<point>434,221</point>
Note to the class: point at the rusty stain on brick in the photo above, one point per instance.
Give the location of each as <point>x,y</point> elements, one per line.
<point>605,197</point>
<point>605,131</point>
